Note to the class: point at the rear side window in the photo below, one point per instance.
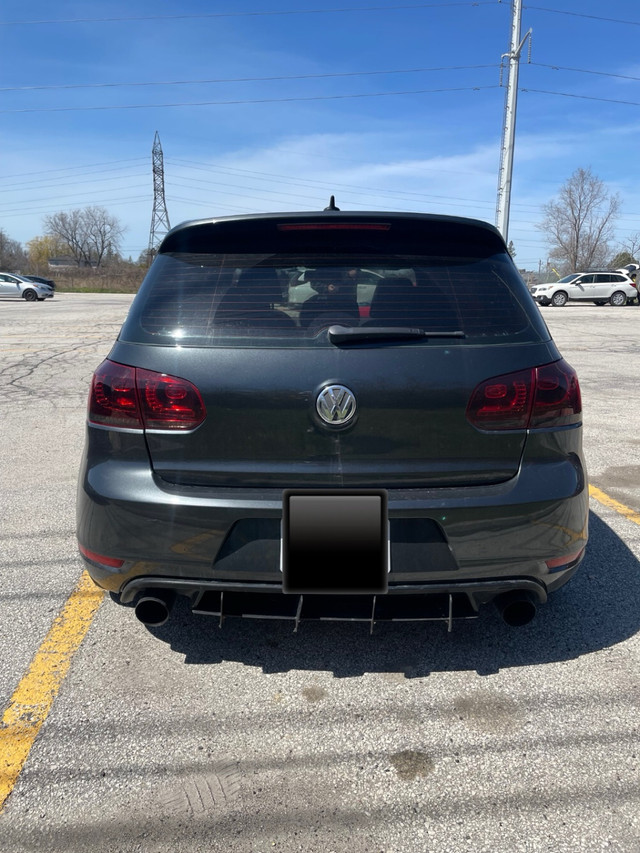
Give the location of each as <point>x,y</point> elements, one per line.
<point>291,299</point>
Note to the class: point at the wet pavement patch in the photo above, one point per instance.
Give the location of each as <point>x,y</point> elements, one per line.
<point>410,764</point>
<point>314,694</point>
<point>489,712</point>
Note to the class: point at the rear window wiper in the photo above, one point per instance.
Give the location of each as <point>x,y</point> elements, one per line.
<point>362,334</point>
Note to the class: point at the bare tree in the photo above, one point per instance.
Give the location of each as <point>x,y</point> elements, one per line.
<point>579,224</point>
<point>12,255</point>
<point>91,234</point>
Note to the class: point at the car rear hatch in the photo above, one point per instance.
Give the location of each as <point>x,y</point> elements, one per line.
<point>448,313</point>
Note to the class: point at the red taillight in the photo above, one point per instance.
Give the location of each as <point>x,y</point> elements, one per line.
<point>113,400</point>
<point>503,402</point>
<point>168,402</point>
<point>558,401</point>
<point>131,398</point>
<point>547,396</point>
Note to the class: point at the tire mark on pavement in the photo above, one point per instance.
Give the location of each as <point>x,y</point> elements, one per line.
<point>204,794</point>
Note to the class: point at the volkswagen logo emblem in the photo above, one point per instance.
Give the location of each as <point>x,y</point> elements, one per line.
<point>336,405</point>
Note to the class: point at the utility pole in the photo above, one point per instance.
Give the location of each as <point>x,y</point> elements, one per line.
<point>159,217</point>
<point>509,129</point>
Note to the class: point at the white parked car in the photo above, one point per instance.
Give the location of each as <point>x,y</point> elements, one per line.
<point>20,287</point>
<point>616,288</point>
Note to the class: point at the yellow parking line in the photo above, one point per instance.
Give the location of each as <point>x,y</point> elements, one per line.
<point>605,500</point>
<point>34,696</point>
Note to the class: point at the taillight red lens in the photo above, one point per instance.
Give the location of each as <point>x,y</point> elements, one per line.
<point>558,401</point>
<point>131,398</point>
<point>547,396</point>
<point>113,400</point>
<point>168,402</point>
<point>503,402</point>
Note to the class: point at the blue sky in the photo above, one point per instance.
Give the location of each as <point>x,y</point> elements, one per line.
<point>386,105</point>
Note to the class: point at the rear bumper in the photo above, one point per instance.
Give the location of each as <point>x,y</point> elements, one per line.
<point>474,543</point>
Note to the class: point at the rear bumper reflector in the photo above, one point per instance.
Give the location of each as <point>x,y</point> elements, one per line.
<point>100,559</point>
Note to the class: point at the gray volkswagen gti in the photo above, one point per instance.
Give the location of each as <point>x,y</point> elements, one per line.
<point>407,449</point>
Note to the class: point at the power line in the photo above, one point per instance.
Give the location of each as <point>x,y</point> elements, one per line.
<point>294,77</point>
<point>274,13</point>
<point>33,211</point>
<point>389,196</point>
<point>583,15</point>
<point>73,168</point>
<point>280,78</point>
<point>322,185</point>
<point>210,207</point>
<point>583,97</point>
<point>69,197</point>
<point>244,79</point>
<point>585,71</point>
<point>235,189</point>
<point>316,155</point>
<point>248,101</point>
<point>54,183</point>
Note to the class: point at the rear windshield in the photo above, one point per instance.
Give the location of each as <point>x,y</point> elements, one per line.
<point>291,300</point>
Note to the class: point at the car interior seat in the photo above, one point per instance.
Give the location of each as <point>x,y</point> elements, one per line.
<point>325,308</point>
<point>250,303</point>
<point>423,304</point>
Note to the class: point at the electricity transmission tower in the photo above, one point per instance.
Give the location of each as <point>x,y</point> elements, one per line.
<point>159,217</point>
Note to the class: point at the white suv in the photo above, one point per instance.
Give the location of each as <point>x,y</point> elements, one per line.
<point>617,288</point>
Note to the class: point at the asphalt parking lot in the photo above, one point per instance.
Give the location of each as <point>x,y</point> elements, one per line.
<point>253,739</point>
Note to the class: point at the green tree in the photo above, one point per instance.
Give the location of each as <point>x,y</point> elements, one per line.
<point>40,249</point>
<point>629,251</point>
<point>622,259</point>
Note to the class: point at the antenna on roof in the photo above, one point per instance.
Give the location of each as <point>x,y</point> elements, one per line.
<point>332,204</point>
